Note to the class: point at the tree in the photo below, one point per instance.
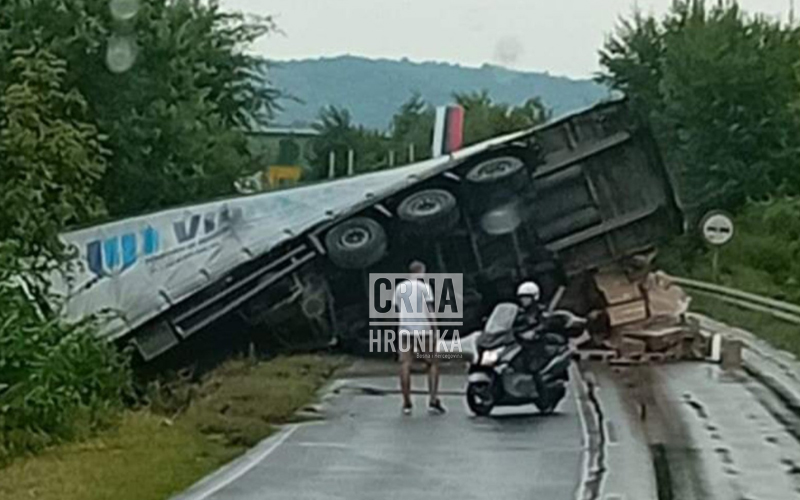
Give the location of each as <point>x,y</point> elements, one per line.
<point>57,378</point>
<point>484,118</point>
<point>51,159</point>
<point>339,135</point>
<point>174,119</point>
<point>413,125</point>
<point>720,88</point>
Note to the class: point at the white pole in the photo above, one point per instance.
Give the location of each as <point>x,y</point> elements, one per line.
<point>411,152</point>
<point>438,131</point>
<point>351,161</point>
<point>391,158</point>
<point>331,165</point>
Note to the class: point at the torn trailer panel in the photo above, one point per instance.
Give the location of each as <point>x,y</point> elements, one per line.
<point>548,203</point>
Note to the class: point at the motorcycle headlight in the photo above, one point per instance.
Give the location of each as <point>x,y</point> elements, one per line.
<point>490,358</point>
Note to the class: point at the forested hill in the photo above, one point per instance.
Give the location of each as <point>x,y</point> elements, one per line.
<point>373,89</point>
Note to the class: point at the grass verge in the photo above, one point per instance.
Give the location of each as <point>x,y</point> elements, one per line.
<point>151,457</point>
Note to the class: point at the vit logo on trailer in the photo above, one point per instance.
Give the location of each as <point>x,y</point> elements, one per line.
<point>116,254</point>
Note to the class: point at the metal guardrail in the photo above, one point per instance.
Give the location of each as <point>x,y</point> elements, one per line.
<point>781,310</point>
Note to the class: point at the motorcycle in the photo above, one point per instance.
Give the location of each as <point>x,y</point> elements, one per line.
<point>517,363</point>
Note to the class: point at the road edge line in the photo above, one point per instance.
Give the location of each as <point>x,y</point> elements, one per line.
<point>234,470</point>
<point>594,467</point>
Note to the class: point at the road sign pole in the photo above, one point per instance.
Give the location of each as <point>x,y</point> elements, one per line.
<point>717,230</point>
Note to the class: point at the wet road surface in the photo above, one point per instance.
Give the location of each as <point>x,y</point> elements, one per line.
<point>365,449</point>
<point>713,434</point>
<point>678,431</point>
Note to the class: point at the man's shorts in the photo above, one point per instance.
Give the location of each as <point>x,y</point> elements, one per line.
<point>411,348</point>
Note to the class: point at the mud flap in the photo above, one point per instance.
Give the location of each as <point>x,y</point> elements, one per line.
<point>480,377</point>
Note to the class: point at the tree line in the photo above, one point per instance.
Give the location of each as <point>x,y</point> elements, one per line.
<point>410,133</point>
<point>721,89</point>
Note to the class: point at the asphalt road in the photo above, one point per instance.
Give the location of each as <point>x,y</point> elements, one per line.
<point>717,435</point>
<point>366,449</point>
<point>677,431</point>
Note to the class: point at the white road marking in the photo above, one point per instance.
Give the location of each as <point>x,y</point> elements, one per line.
<point>575,379</point>
<point>236,469</point>
<point>322,445</point>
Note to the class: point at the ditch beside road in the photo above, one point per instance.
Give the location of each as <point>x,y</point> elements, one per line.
<point>158,451</point>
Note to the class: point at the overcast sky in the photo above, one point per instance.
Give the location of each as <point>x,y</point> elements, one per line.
<point>559,36</point>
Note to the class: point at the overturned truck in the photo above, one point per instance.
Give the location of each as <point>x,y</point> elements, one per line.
<point>553,204</point>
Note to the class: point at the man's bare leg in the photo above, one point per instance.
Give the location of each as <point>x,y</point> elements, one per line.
<point>433,380</point>
<point>405,382</point>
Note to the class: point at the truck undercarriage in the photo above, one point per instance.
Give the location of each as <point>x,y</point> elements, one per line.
<point>552,204</point>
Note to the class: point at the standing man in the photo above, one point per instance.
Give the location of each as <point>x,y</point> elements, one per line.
<point>414,301</point>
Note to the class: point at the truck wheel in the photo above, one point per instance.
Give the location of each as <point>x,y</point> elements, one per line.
<point>507,172</point>
<point>356,243</point>
<point>429,211</point>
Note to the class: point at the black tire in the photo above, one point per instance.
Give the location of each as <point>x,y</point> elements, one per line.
<point>356,243</point>
<point>501,172</point>
<point>430,211</point>
<point>480,398</point>
<point>495,182</point>
<point>548,401</point>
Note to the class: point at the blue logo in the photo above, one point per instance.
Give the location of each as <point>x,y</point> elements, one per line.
<point>119,253</point>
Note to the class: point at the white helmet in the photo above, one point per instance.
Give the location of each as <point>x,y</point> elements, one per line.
<point>529,288</point>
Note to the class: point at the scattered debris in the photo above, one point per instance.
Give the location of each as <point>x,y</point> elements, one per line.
<point>645,314</point>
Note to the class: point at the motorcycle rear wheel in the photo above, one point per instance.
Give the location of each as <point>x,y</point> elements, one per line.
<point>548,402</point>
<point>480,398</point>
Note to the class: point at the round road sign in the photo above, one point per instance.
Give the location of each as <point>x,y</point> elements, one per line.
<point>717,228</point>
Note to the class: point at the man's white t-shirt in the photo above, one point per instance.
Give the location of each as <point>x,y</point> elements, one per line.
<point>415,307</point>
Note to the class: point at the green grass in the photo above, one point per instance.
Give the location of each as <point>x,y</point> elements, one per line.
<point>763,257</point>
<point>151,457</point>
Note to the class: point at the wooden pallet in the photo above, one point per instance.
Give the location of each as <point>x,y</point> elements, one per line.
<point>611,356</point>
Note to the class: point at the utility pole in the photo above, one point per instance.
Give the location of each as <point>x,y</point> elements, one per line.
<point>391,158</point>
<point>411,153</point>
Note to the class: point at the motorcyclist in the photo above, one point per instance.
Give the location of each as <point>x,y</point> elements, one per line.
<point>533,323</point>
<point>528,299</point>
<point>544,333</point>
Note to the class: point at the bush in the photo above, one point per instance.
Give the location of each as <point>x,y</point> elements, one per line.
<point>57,381</point>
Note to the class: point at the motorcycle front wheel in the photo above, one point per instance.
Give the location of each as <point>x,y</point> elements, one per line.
<point>480,398</point>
